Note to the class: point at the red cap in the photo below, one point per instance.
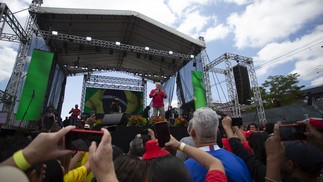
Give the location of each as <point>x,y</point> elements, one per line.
<point>317,123</point>
<point>153,150</point>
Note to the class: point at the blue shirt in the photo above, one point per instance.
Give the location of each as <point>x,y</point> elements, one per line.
<point>235,168</point>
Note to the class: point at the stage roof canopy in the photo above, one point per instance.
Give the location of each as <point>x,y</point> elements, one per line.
<point>134,31</point>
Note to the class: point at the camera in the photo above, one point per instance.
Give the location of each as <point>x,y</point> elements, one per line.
<point>292,132</point>
<point>80,140</point>
<point>236,121</point>
<point>162,133</point>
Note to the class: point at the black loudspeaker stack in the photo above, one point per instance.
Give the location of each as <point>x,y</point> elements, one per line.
<point>114,119</point>
<point>241,79</point>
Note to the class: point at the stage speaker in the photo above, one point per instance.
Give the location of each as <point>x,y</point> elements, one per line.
<point>241,79</point>
<point>114,119</point>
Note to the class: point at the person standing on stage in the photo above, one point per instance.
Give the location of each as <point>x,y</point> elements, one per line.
<point>49,118</point>
<point>158,95</point>
<point>115,106</point>
<point>75,112</point>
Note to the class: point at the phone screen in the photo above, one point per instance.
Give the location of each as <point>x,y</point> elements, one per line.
<point>162,133</point>
<point>236,121</point>
<point>292,132</point>
<point>80,140</point>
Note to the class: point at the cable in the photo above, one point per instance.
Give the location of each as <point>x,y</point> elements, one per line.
<point>292,52</point>
<point>20,11</point>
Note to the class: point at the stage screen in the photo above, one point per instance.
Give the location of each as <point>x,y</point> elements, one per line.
<point>98,100</point>
<point>199,89</point>
<point>34,91</point>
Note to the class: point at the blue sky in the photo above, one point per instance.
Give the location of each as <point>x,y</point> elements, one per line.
<point>282,36</point>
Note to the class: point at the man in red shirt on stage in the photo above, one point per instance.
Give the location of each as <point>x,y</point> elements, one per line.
<point>75,112</point>
<point>158,95</point>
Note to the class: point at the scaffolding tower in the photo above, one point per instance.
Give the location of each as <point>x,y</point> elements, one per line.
<point>233,105</point>
<point>23,36</point>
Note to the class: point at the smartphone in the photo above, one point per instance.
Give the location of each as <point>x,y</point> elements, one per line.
<point>162,133</point>
<point>236,121</point>
<point>111,128</point>
<point>292,132</point>
<point>80,140</point>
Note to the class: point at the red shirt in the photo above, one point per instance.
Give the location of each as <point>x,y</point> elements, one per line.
<point>158,99</point>
<point>75,113</point>
<point>215,176</point>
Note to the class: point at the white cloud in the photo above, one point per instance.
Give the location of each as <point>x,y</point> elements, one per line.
<point>268,21</point>
<point>194,22</point>
<point>7,59</point>
<point>306,51</point>
<point>154,9</point>
<point>239,2</point>
<point>215,33</point>
<point>317,82</point>
<point>183,7</point>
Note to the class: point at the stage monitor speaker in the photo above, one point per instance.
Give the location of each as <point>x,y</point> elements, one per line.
<point>114,119</point>
<point>241,79</point>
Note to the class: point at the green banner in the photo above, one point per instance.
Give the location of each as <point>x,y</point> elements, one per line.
<point>199,90</point>
<point>33,94</point>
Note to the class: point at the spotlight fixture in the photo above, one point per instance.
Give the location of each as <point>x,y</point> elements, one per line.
<point>54,33</point>
<point>192,56</point>
<point>147,48</point>
<point>170,52</point>
<point>118,43</point>
<point>88,39</point>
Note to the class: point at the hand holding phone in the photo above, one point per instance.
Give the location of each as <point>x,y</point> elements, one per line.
<point>237,121</point>
<point>292,132</point>
<point>80,140</point>
<point>162,133</point>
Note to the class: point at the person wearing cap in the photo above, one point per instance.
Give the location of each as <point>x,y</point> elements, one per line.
<point>204,126</point>
<point>291,160</point>
<point>153,150</point>
<point>158,95</point>
<point>90,122</point>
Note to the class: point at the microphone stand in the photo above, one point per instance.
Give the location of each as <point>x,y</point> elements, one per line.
<point>23,117</point>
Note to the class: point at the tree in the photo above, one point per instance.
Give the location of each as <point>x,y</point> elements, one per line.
<point>282,90</point>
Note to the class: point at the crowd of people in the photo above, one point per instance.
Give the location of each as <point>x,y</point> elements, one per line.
<point>208,154</point>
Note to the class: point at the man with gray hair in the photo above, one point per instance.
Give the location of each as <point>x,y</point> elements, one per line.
<point>203,129</point>
<point>158,95</point>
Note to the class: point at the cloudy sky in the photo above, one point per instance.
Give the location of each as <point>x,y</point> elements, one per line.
<point>282,36</point>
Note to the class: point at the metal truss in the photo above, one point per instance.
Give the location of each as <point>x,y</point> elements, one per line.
<point>115,83</point>
<point>233,105</point>
<point>206,77</point>
<point>110,44</point>
<point>9,37</point>
<point>4,97</point>
<point>24,36</point>
<point>257,95</point>
<point>232,91</point>
<point>12,21</point>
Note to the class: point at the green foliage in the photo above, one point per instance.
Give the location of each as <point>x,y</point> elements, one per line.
<point>281,90</point>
